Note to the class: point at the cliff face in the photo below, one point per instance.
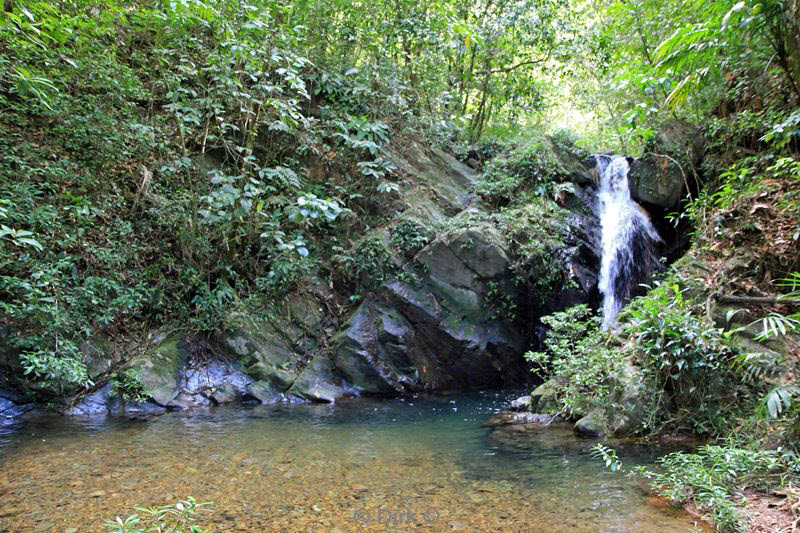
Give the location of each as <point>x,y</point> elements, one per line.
<point>456,311</point>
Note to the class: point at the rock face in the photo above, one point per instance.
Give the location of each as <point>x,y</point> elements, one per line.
<point>668,166</point>
<point>452,315</point>
<point>437,331</point>
<point>11,405</point>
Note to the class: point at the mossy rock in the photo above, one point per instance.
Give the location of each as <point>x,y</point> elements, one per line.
<point>544,398</point>
<point>266,392</point>
<point>591,425</point>
<point>667,167</point>
<point>320,382</point>
<point>158,371</point>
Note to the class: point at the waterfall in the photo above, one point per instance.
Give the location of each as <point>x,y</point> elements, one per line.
<point>629,240</point>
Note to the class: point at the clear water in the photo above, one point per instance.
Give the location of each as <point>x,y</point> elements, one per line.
<point>343,467</point>
<point>622,221</point>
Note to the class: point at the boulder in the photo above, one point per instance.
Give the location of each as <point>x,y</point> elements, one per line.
<point>265,392</point>
<point>184,372</point>
<point>159,371</point>
<point>210,380</point>
<point>544,398</point>
<point>96,403</point>
<point>319,381</point>
<point>669,164</point>
<point>523,403</point>
<point>510,418</point>
<point>437,327</point>
<point>591,425</point>
<point>623,415</point>
<point>11,406</point>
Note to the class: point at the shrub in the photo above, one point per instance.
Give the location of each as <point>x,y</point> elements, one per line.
<point>585,370</point>
<point>535,232</point>
<point>125,385</point>
<point>688,363</point>
<point>530,170</point>
<point>715,476</point>
<point>409,237</point>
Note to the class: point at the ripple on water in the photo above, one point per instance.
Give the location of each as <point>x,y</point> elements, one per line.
<point>334,467</point>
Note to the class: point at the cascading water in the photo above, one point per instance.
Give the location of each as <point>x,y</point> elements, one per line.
<point>629,239</point>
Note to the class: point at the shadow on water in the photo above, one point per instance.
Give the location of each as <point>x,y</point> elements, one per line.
<point>334,467</point>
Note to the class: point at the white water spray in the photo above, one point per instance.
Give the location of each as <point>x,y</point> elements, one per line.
<point>627,239</point>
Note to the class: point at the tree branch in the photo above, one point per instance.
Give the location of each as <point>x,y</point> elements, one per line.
<point>518,65</point>
<point>758,300</point>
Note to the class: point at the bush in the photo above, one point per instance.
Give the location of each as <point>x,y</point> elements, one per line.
<point>531,170</point>
<point>687,362</point>
<point>585,370</point>
<point>125,385</point>
<point>535,233</point>
<point>715,477</point>
<point>409,237</point>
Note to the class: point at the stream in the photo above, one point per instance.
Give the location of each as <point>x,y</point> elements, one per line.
<point>365,464</point>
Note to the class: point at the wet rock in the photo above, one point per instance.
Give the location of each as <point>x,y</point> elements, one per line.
<point>10,410</point>
<point>544,398</point>
<point>93,404</point>
<point>522,403</point>
<point>510,418</point>
<point>138,410</point>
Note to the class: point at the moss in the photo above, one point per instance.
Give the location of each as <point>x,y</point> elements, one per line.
<point>158,371</point>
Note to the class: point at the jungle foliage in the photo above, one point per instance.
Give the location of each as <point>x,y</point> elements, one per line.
<point>170,161</point>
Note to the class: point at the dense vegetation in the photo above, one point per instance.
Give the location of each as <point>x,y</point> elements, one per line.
<point>168,163</point>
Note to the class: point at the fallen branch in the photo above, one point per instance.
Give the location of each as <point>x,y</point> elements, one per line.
<point>758,300</point>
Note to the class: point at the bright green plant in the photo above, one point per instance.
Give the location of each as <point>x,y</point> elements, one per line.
<point>715,476</point>
<point>608,456</point>
<point>176,518</point>
<point>687,362</point>
<point>586,371</point>
<point>126,385</point>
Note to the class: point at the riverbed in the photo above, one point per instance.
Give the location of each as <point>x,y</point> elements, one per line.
<point>374,465</point>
